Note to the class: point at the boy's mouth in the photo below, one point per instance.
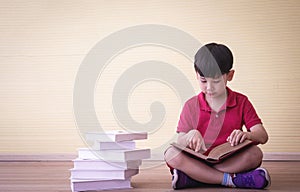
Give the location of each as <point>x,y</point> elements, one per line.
<point>210,94</point>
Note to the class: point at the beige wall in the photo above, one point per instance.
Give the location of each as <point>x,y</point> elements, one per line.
<point>42,44</point>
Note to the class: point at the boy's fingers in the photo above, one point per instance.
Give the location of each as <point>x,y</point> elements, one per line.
<point>239,137</point>
<point>244,137</point>
<point>232,136</point>
<point>197,148</point>
<point>193,144</point>
<point>236,137</point>
<point>201,146</point>
<point>196,145</point>
<point>204,147</point>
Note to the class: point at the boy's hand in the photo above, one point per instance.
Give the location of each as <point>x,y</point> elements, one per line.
<point>237,137</point>
<point>195,141</point>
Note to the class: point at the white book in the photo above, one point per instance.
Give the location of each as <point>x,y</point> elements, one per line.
<point>115,136</point>
<point>103,174</point>
<point>114,155</point>
<point>89,185</point>
<point>105,165</point>
<point>100,145</point>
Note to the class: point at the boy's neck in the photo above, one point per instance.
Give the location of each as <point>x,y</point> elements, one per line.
<point>217,103</point>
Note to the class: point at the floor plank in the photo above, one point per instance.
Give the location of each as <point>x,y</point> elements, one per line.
<point>50,176</point>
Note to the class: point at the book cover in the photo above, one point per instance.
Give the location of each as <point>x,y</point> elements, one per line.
<point>103,174</point>
<point>95,185</point>
<point>218,153</point>
<point>115,136</point>
<point>102,145</point>
<point>114,155</point>
<point>98,164</point>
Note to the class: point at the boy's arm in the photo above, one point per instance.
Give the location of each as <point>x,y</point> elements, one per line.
<point>257,133</point>
<point>192,139</point>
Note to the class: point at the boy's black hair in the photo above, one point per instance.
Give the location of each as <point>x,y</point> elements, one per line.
<point>213,60</point>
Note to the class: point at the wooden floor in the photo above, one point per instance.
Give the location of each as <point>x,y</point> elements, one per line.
<point>54,176</point>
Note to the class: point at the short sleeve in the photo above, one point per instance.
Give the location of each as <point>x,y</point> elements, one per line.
<point>250,116</point>
<point>189,116</point>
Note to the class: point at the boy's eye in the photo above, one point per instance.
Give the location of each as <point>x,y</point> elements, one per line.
<point>203,81</point>
<point>217,81</point>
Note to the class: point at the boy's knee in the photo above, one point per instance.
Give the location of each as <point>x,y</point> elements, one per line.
<point>173,157</point>
<point>255,156</point>
<point>256,152</point>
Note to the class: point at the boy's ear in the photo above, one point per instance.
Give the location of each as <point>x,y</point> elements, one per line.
<point>230,75</point>
<point>198,75</point>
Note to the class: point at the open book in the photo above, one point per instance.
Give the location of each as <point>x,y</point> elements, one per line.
<point>218,153</point>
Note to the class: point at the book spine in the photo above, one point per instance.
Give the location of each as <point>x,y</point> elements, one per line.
<point>109,174</point>
<point>87,185</point>
<point>105,165</point>
<point>99,145</point>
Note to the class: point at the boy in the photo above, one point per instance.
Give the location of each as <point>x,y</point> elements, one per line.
<point>213,117</point>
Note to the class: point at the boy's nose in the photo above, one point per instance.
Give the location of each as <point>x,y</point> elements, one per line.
<point>209,87</point>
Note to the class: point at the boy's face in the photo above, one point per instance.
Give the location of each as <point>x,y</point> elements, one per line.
<point>214,87</point>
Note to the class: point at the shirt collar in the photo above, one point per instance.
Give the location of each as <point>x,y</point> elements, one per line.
<point>230,102</point>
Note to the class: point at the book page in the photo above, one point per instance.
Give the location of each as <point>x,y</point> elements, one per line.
<point>226,149</point>
<point>190,151</point>
<point>216,154</point>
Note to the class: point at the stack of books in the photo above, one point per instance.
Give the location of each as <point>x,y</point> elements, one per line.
<point>109,163</point>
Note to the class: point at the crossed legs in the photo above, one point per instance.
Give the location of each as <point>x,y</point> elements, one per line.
<point>247,159</point>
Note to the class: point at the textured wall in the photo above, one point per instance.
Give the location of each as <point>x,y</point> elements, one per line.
<point>43,43</point>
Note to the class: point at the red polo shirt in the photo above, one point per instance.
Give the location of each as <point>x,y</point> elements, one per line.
<point>214,126</point>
